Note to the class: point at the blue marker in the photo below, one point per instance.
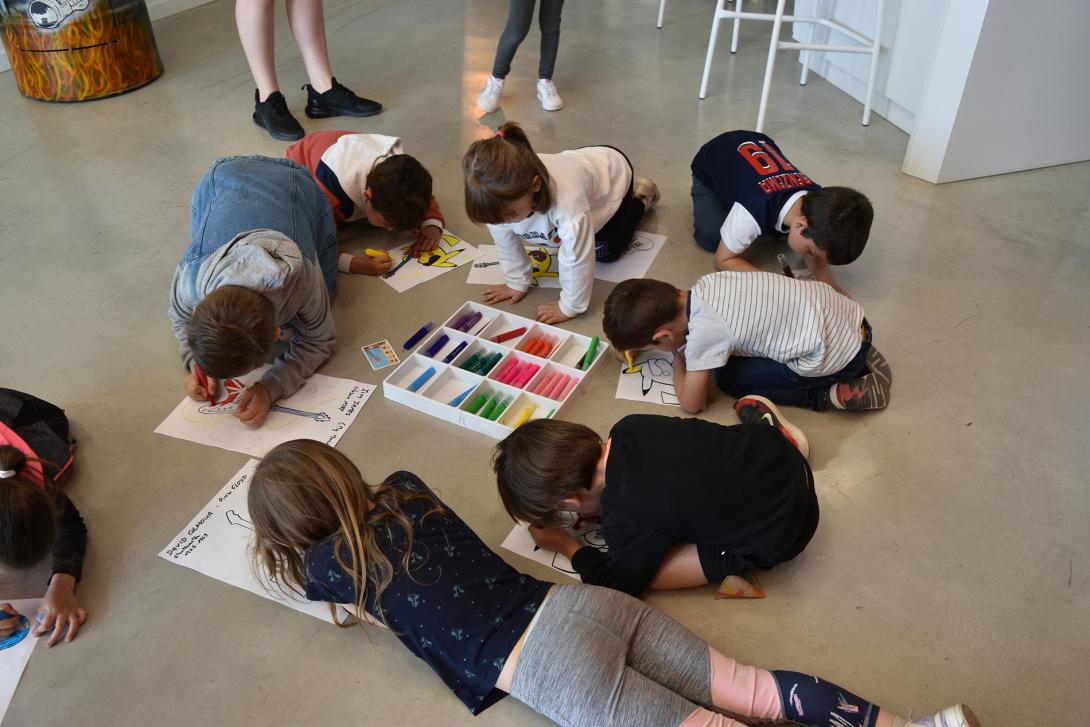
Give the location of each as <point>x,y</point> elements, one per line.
<point>437,346</point>
<point>457,350</point>
<point>416,337</point>
<point>462,397</point>
<point>421,379</point>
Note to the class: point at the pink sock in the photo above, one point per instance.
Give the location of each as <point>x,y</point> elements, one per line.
<point>744,690</point>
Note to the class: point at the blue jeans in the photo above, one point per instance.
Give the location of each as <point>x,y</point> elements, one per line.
<point>708,216</point>
<point>773,380</point>
<point>238,194</point>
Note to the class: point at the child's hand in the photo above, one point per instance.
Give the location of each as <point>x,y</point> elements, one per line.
<point>198,392</point>
<point>550,313</point>
<point>367,265</point>
<point>254,405</point>
<point>554,538</point>
<point>10,625</point>
<point>60,611</point>
<point>496,293</point>
<point>427,238</point>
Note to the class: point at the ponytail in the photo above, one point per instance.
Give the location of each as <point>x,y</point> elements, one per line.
<point>502,169</point>
<point>28,516</point>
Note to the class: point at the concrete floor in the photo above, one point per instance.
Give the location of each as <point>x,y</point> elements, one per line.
<point>953,558</point>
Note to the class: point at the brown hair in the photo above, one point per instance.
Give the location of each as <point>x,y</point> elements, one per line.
<point>400,191</point>
<point>28,513</point>
<point>501,169</point>
<point>838,220</point>
<point>304,491</point>
<point>232,331</point>
<point>635,309</point>
<point>541,463</point>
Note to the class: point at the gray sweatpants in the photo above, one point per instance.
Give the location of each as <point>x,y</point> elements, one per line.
<point>598,657</point>
<point>518,25</point>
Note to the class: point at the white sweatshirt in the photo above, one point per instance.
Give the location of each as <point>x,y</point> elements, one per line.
<point>588,186</point>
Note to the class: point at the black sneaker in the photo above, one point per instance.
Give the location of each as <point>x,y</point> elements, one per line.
<point>878,366</point>
<point>273,116</point>
<point>754,409</point>
<point>338,101</point>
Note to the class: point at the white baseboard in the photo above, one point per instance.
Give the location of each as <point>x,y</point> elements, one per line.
<point>157,9</point>
<point>889,110</point>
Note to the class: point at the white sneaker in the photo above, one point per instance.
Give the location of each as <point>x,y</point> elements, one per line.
<point>489,100</point>
<point>957,716</point>
<point>548,95</point>
<point>648,191</point>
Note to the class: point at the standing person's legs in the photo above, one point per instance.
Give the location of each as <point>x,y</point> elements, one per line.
<point>708,216</point>
<point>549,21</point>
<point>254,19</point>
<point>307,21</point>
<point>519,16</point>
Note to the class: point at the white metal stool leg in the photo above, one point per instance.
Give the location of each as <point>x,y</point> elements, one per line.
<point>662,7</point>
<point>875,50</point>
<point>804,56</point>
<point>734,33</point>
<point>773,46</point>
<point>711,49</point>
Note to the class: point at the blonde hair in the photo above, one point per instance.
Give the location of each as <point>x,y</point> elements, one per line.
<point>305,491</point>
<point>502,169</point>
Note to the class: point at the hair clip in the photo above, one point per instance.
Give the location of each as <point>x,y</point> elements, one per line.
<point>5,474</point>
<point>500,133</point>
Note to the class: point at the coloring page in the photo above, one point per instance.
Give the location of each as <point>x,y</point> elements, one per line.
<point>219,540</point>
<point>651,379</point>
<point>452,252</point>
<point>15,650</point>
<point>586,531</point>
<point>322,410</point>
<point>634,263</point>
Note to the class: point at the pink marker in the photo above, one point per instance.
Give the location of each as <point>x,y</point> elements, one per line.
<point>512,372</point>
<point>545,384</point>
<point>553,392</point>
<point>568,388</point>
<point>503,369</point>
<point>527,374</point>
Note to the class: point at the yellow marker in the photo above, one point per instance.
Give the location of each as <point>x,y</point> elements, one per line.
<point>631,366</point>
<point>372,252</point>
<point>524,416</point>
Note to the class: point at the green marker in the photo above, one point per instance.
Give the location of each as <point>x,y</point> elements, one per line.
<point>469,363</point>
<point>550,414</point>
<point>489,407</point>
<point>491,363</point>
<point>477,404</point>
<point>589,358</point>
<point>499,409</point>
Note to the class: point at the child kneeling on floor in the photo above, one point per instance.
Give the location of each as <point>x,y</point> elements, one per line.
<point>682,502</point>
<point>794,342</point>
<point>580,655</point>
<point>368,177</point>
<point>584,203</point>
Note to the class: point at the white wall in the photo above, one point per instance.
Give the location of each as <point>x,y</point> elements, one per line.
<point>909,36</point>
<point>156,9</point>
<point>1025,101</point>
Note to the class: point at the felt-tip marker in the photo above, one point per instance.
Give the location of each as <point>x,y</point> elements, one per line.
<point>783,264</point>
<point>416,337</point>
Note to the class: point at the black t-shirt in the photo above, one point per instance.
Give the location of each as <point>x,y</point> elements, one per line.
<point>747,168</point>
<point>670,480</point>
<point>460,607</point>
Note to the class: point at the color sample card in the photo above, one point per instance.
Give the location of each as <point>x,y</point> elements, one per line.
<point>380,354</point>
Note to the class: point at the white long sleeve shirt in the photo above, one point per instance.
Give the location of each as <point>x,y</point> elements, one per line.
<point>588,186</point>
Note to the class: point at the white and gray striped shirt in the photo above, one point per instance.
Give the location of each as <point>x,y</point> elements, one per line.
<point>803,324</point>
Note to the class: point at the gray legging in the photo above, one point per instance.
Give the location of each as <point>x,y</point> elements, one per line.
<point>518,25</point>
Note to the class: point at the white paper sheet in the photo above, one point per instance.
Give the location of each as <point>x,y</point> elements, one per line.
<point>586,532</point>
<point>322,410</point>
<point>13,659</point>
<point>219,540</point>
<point>635,263</point>
<point>652,379</point>
<point>453,252</point>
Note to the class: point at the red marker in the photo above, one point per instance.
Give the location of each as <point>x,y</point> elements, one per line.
<point>202,379</point>
<point>509,335</point>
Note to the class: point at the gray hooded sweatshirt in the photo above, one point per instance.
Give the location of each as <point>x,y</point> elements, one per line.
<point>269,263</point>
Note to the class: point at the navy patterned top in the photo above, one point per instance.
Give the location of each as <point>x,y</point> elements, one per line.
<point>460,607</point>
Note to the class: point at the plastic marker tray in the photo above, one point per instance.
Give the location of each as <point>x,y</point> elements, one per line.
<point>434,397</point>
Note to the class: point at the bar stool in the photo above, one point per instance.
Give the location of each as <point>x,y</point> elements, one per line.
<point>864,45</point>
